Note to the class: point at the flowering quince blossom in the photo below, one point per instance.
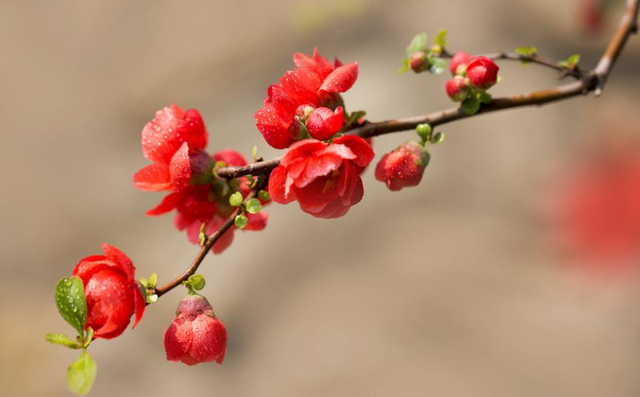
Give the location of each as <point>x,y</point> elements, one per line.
<point>323,177</point>
<point>314,83</point>
<point>482,73</point>
<point>403,167</point>
<point>195,336</point>
<point>175,142</point>
<point>457,89</point>
<point>461,58</point>
<point>111,292</point>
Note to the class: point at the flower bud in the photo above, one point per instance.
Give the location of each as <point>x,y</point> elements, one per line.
<point>195,336</point>
<point>482,73</point>
<point>403,167</point>
<point>324,124</point>
<point>419,62</point>
<point>457,89</point>
<point>460,59</point>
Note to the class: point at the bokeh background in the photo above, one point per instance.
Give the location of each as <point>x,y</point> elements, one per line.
<point>473,284</point>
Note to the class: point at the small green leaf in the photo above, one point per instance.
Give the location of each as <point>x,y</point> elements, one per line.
<point>526,51</point>
<point>441,38</point>
<point>437,65</point>
<point>153,280</point>
<point>81,374</point>
<point>570,62</point>
<point>241,221</point>
<point>196,281</point>
<point>253,206</point>
<point>424,131</point>
<point>254,153</point>
<point>88,338</point>
<point>438,138</point>
<point>470,106</point>
<point>485,98</point>
<point>59,339</point>
<point>418,43</point>
<point>236,199</point>
<point>264,195</point>
<point>405,66</point>
<point>71,302</point>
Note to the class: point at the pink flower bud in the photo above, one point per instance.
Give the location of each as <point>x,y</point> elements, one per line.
<point>195,336</point>
<point>324,124</point>
<point>457,89</point>
<point>482,72</point>
<point>460,59</point>
<point>403,167</point>
<point>419,62</point>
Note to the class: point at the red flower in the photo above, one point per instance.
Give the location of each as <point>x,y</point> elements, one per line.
<point>457,89</point>
<point>324,178</point>
<point>461,58</point>
<point>314,82</point>
<point>403,167</point>
<point>419,62</point>
<point>482,73</point>
<point>173,140</point>
<point>111,292</point>
<point>209,204</point>
<point>195,336</point>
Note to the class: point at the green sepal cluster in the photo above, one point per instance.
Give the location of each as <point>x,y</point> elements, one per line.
<point>431,56</point>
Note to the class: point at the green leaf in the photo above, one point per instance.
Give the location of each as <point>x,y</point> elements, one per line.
<point>264,195</point>
<point>88,338</point>
<point>570,62</point>
<point>418,43</point>
<point>71,302</point>
<point>438,138</point>
<point>153,280</point>
<point>405,66</point>
<point>470,106</point>
<point>437,65</point>
<point>254,153</point>
<point>253,206</point>
<point>236,199</point>
<point>485,98</point>
<point>59,339</point>
<point>241,221</point>
<point>81,374</point>
<point>526,51</point>
<point>441,38</point>
<point>196,281</point>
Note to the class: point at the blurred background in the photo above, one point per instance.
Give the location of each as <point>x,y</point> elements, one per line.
<point>510,271</point>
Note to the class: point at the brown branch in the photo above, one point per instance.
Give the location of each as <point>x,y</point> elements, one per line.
<point>588,82</point>
<point>204,250</point>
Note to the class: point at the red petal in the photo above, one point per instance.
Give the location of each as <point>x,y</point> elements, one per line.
<point>302,150</point>
<point>257,221</point>
<point>317,167</point>
<point>341,79</point>
<point>209,341</point>
<point>121,259</point>
<point>273,127</point>
<point>177,339</point>
<point>139,304</point>
<point>180,168</point>
<point>154,178</point>
<point>167,204</point>
<point>363,151</point>
<point>277,182</point>
<point>109,303</point>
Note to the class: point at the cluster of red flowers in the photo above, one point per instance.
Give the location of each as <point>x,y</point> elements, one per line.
<point>304,113</point>
<point>175,142</point>
<point>471,75</point>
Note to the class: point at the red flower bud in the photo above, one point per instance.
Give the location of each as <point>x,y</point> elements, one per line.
<point>111,292</point>
<point>457,89</point>
<point>403,167</point>
<point>461,58</point>
<point>419,62</point>
<point>324,124</point>
<point>482,72</point>
<point>195,336</point>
